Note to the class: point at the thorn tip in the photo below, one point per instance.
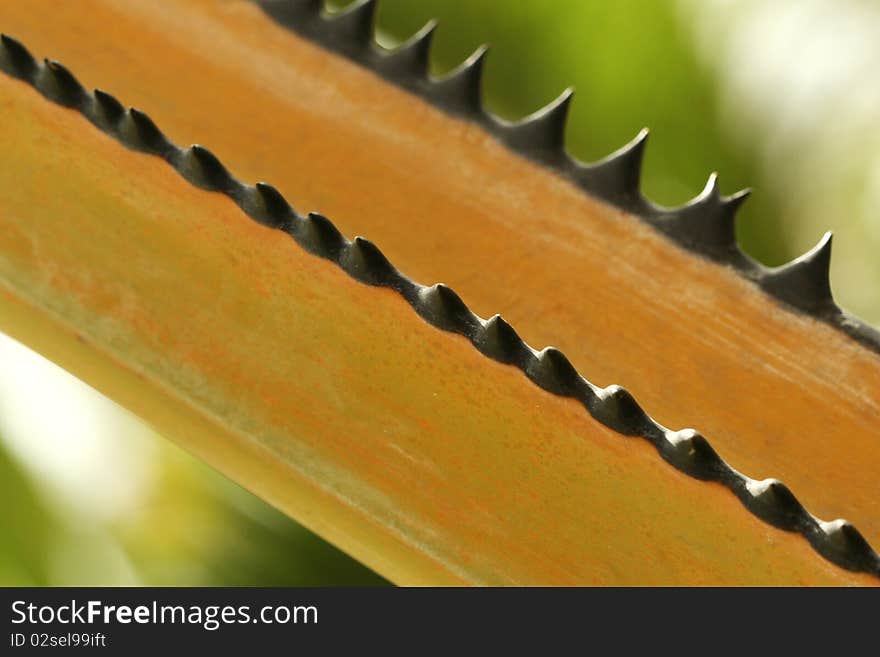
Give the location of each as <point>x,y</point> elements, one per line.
<point>805,281</point>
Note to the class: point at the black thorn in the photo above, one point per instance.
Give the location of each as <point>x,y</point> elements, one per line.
<point>551,370</point>
<point>411,58</point>
<point>201,167</point>
<point>843,544</point>
<point>462,90</point>
<point>317,234</point>
<point>616,408</point>
<point>16,59</point>
<point>442,307</point>
<point>109,109</point>
<point>804,282</point>
<point>738,198</point>
<point>498,340</point>
<point>710,194</point>
<point>147,135</point>
<point>708,223</point>
<point>691,453</point>
<point>312,7</point>
<point>273,209</point>
<point>542,134</point>
<point>772,501</point>
<point>60,84</point>
<point>353,28</point>
<point>364,261</point>
<point>293,13</point>
<point>617,178</point>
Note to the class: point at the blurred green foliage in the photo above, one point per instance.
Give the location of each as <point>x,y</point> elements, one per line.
<point>196,528</point>
<point>27,528</point>
<point>213,531</point>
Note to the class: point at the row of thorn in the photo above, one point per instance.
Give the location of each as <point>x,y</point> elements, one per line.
<point>439,305</point>
<point>705,225</point>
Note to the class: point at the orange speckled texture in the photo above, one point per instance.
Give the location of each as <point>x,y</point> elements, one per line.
<point>334,400</point>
